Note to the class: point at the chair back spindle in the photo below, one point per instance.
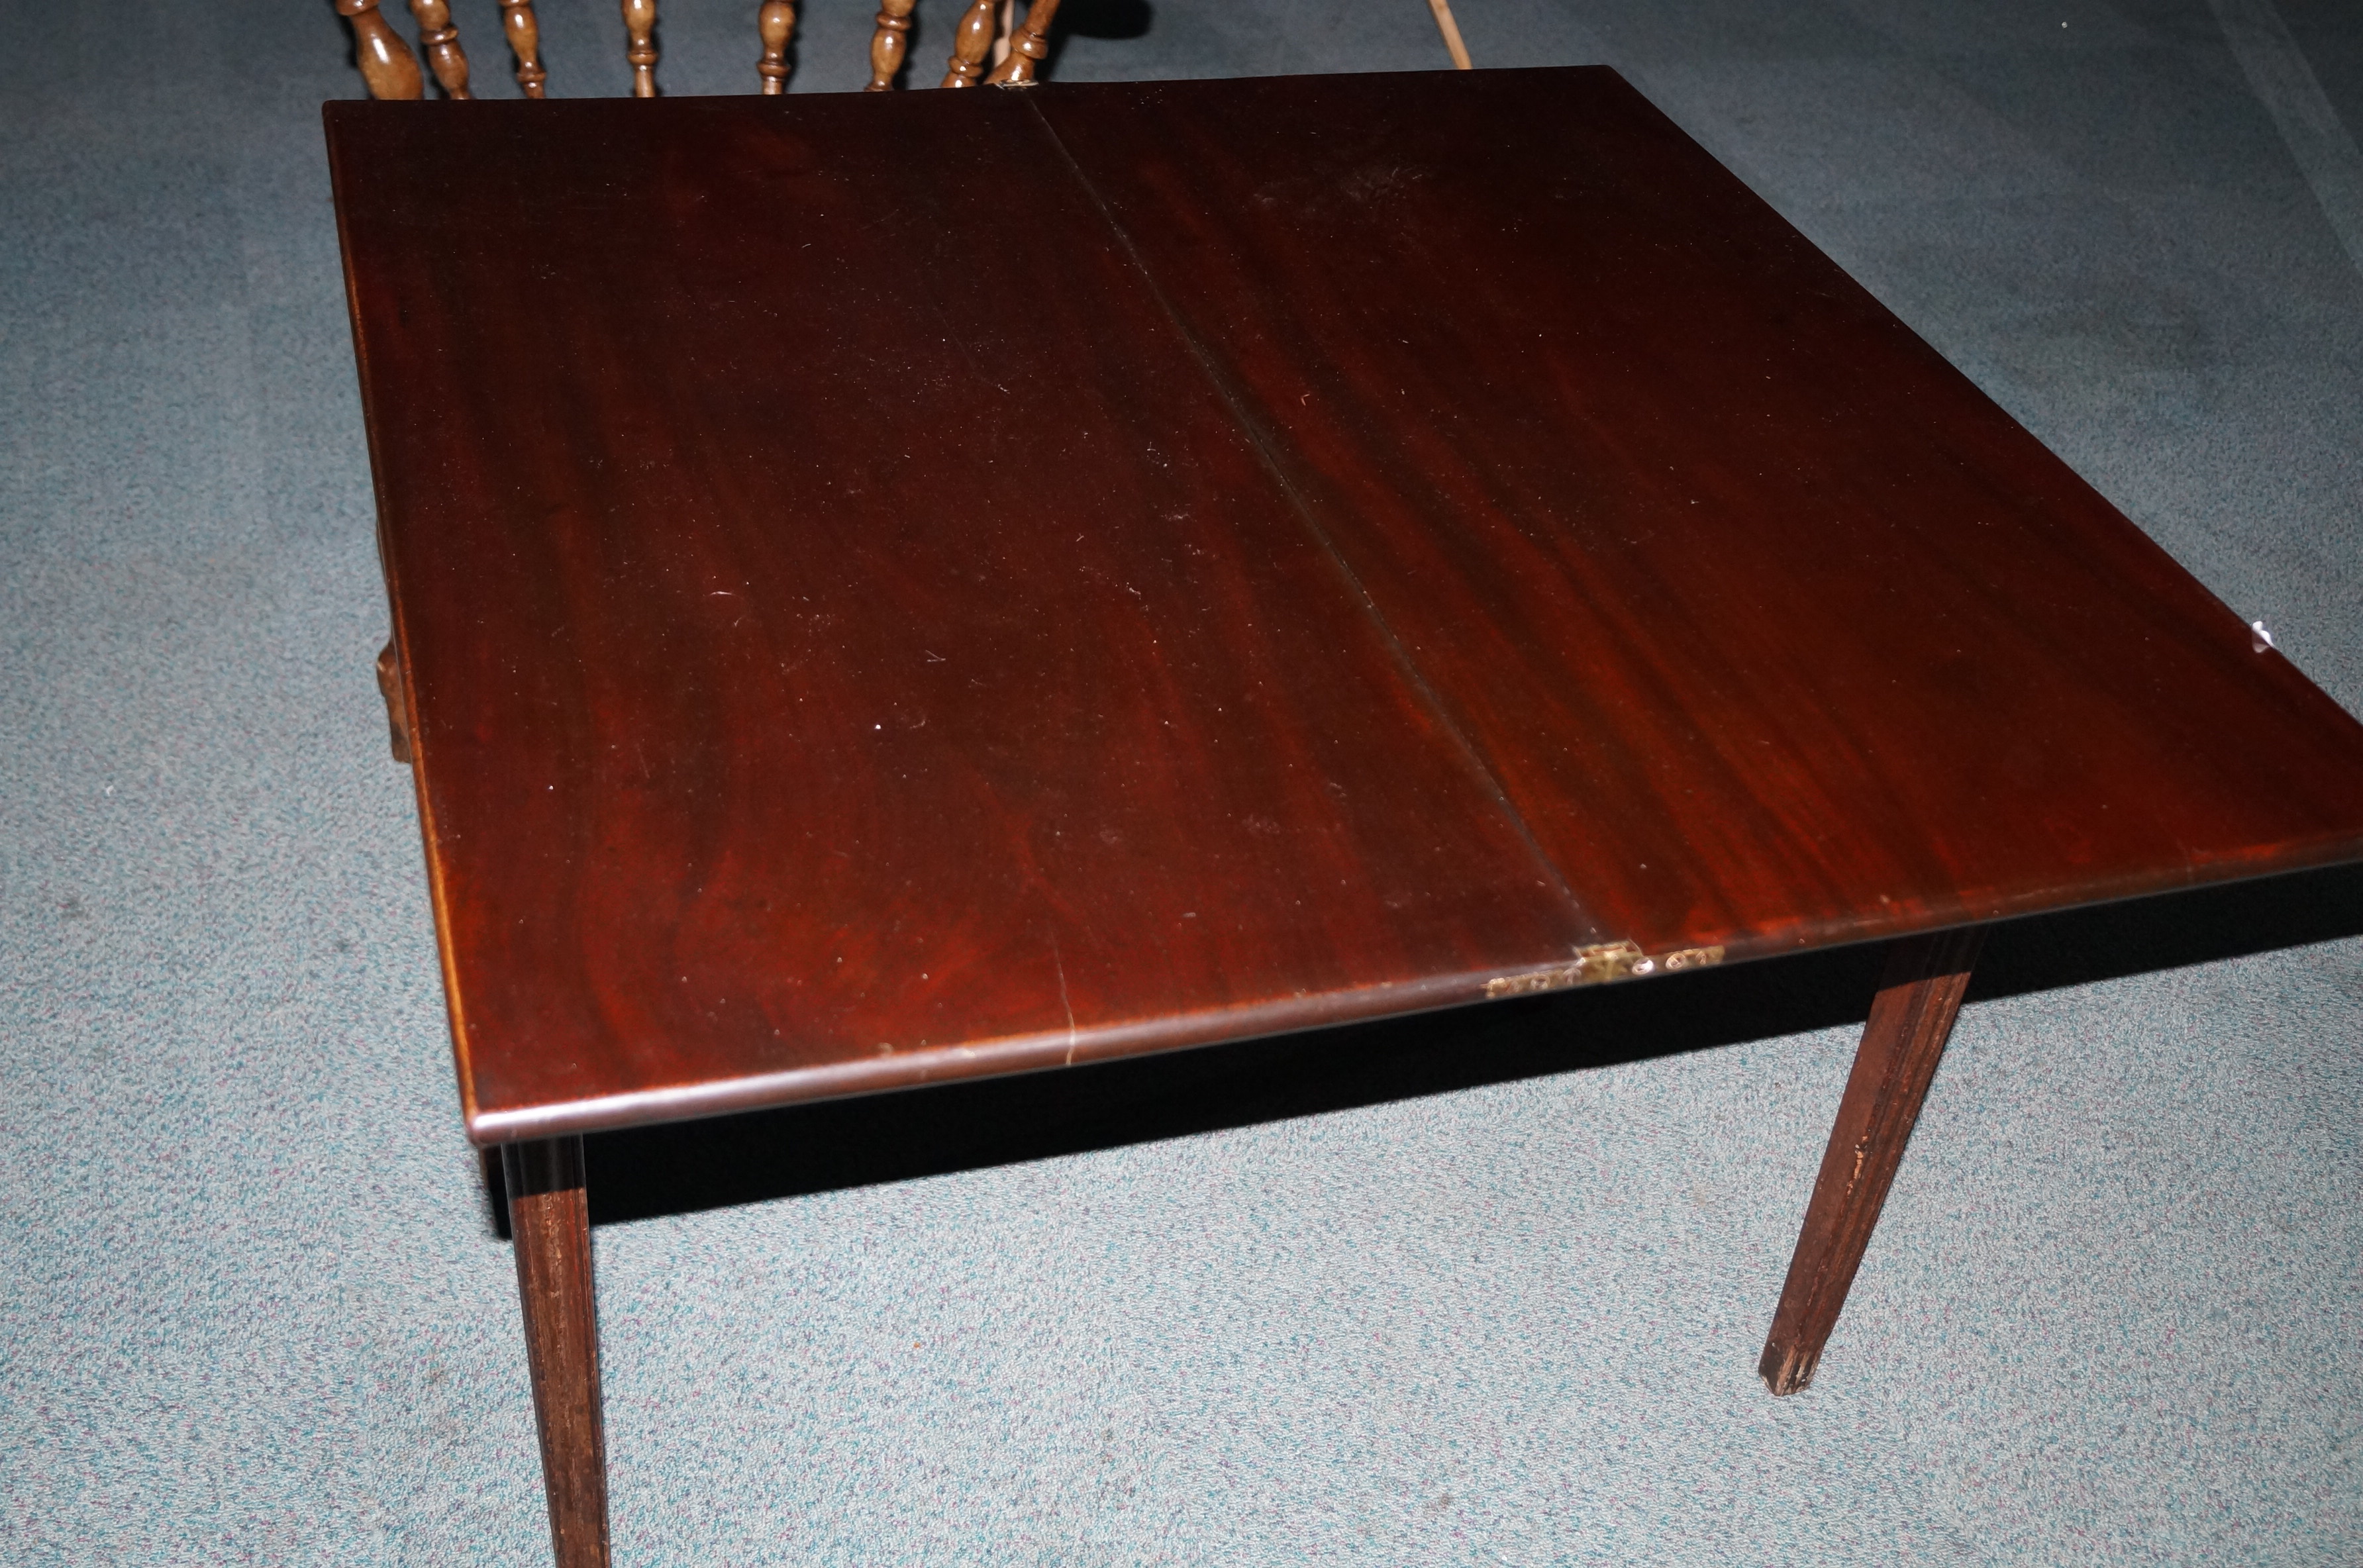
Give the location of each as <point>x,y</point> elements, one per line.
<point>776,23</point>
<point>438,40</point>
<point>1028,43</point>
<point>890,43</point>
<point>525,42</point>
<point>971,41</point>
<point>641,26</point>
<point>387,68</point>
<point>390,69</point>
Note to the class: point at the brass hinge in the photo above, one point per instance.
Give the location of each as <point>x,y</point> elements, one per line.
<point>1596,965</point>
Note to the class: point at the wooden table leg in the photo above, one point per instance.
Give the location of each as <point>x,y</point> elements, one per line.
<point>551,1225</point>
<point>1913,1015</point>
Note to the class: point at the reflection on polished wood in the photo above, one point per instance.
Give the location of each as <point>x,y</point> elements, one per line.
<point>1775,629</point>
<point>1382,557</point>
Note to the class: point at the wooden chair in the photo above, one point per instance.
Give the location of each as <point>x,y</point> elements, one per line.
<point>391,71</point>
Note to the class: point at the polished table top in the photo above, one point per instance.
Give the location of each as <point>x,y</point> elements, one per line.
<point>903,587</point>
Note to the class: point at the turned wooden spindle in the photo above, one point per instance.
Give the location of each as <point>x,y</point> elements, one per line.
<point>971,41</point>
<point>890,42</point>
<point>640,25</point>
<point>776,22</point>
<point>387,68</point>
<point>438,40</point>
<point>525,42</point>
<point>1027,45</point>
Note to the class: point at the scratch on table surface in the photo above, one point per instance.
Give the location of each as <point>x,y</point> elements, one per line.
<point>1061,965</point>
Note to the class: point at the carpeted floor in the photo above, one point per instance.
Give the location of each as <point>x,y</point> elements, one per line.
<point>1486,1288</point>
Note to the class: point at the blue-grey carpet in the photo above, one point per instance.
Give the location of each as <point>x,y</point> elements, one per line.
<point>1483,1289</point>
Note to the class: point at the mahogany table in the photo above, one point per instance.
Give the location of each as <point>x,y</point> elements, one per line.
<point>903,588</point>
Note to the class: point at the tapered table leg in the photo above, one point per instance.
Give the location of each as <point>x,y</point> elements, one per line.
<point>551,1225</point>
<point>1910,1020</point>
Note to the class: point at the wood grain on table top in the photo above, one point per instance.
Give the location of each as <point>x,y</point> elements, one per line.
<point>902,587</point>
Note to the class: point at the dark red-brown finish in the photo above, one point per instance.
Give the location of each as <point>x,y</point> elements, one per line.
<point>549,1220</point>
<point>849,640</point>
<point>1775,628</point>
<point>906,587</point>
<point>1912,1017</point>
